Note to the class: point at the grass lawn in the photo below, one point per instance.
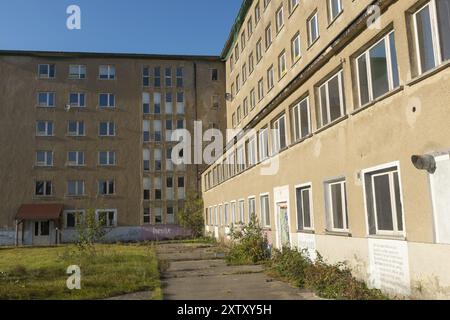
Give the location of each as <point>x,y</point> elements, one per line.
<point>112,270</point>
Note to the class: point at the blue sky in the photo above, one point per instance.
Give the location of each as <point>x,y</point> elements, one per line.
<point>133,26</point>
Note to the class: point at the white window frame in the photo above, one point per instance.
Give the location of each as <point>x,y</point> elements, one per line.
<point>270,78</point>
<point>110,74</point>
<point>252,151</point>
<point>77,133</point>
<point>77,185</point>
<point>263,143</point>
<point>241,211</point>
<point>435,35</point>
<point>47,104</point>
<point>45,133</point>
<point>311,206</point>
<point>233,212</point>
<point>297,131</point>
<point>111,96</point>
<point>78,104</point>
<point>263,213</point>
<point>282,65</point>
<point>296,39</point>
<point>276,135</point>
<point>108,191</point>
<point>47,155</point>
<point>395,232</point>
<point>332,17</point>
<point>293,4</point>
<point>46,182</point>
<point>78,75</point>
<point>329,205</point>
<point>315,18</point>
<point>82,212</point>
<point>46,76</point>
<point>108,157</point>
<point>249,199</point>
<point>77,161</point>
<point>97,214</point>
<point>109,125</point>
<point>339,74</point>
<point>279,18</point>
<point>368,70</point>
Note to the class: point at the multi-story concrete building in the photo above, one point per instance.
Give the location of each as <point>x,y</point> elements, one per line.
<point>349,150</point>
<point>85,131</point>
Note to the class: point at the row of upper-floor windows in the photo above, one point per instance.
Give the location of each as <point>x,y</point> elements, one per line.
<point>376,69</point>
<point>384,205</point>
<point>169,193</point>
<point>335,8</point>
<point>158,160</point>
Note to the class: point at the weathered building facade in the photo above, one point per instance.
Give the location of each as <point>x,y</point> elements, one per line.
<point>82,131</point>
<point>349,150</point>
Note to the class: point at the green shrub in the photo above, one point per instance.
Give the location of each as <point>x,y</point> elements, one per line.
<point>191,216</point>
<point>249,244</point>
<point>291,264</point>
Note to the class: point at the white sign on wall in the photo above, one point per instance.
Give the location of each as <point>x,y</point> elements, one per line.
<point>308,242</point>
<point>389,266</point>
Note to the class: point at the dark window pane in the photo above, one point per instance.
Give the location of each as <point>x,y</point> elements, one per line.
<point>363,81</point>
<point>398,202</point>
<point>45,228</point>
<point>443,13</point>
<point>306,208</point>
<point>335,99</point>
<point>383,203</point>
<point>304,118</point>
<point>425,37</point>
<point>299,209</point>
<point>337,205</point>
<point>378,66</point>
<point>394,62</point>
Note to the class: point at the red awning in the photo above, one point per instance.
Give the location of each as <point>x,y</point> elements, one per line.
<point>40,212</point>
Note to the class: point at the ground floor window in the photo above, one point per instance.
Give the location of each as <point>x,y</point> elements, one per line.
<point>384,201</point>
<point>304,208</point>
<point>336,203</point>
<point>265,210</point>
<point>73,218</point>
<point>251,208</point>
<point>107,218</point>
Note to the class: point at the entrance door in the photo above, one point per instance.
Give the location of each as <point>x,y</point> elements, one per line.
<point>283,225</point>
<point>41,233</point>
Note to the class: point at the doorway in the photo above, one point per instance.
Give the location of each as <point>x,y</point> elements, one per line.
<point>41,233</point>
<point>283,229</point>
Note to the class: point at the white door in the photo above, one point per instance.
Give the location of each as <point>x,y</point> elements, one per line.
<point>41,233</point>
<point>440,192</point>
<point>283,225</point>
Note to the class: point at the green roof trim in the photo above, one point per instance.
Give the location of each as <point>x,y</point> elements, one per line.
<point>234,33</point>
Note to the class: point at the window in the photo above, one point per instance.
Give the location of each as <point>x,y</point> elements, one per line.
<point>157,103</point>
<point>146,186</point>
<point>238,83</point>
<point>270,78</point>
<point>234,120</point>
<point>244,73</point>
<point>158,188</point>
<point>233,93</point>
<point>215,102</point>
<point>75,158</point>
<point>249,27</point>
<point>313,29</point>
<point>268,35</point>
<point>146,77</point>
<point>265,210</point>
<point>107,158</point>
<point>251,208</point>
<point>293,4</point>
<point>231,62</point>
<point>377,70</point>
<point>168,104</point>
<point>214,74</point>
<point>46,99</point>
<point>236,52</point>
<point>331,100</point>
<point>180,103</point>
<point>279,16</point>
<point>432,39</point>
<point>107,72</point>
<point>107,129</point>
<point>180,124</point>
<point>239,114</point>
<point>44,159</point>
<point>240,154</point>
<point>334,9</point>
<point>75,188</point>
<point>384,201</point>
<point>259,52</point>
<point>107,100</point>
<point>169,128</point>
<point>147,216</point>
<point>257,13</point>
<point>263,144</point>
<point>77,100</point>
<point>73,218</point>
<point>226,214</point>
<point>241,208</point>
<point>304,208</point>
<point>157,154</point>
<point>107,218</point>
<point>300,115</point>
<point>252,99</point>
<point>251,64</point>
<point>44,128</point>
<point>47,71</point>
<point>146,157</point>
<point>43,188</point>
<point>336,200</point>
<point>180,72</point>
<point>170,215</point>
<point>146,130</point>
<point>245,104</point>
<point>157,79</point>
<point>295,48</point>
<point>106,187</point>
<point>146,103</point>
<point>282,65</point>
<point>279,134</point>
<point>260,89</point>
<point>76,129</point>
<point>158,215</point>
<point>252,157</point>
<point>243,42</point>
<point>266,3</point>
<point>77,71</point>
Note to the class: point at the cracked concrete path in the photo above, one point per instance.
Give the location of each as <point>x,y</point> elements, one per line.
<point>199,272</point>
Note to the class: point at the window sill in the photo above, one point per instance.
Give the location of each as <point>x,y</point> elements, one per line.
<point>44,108</point>
<point>293,10</point>
<point>295,61</point>
<point>333,20</point>
<point>386,237</point>
<point>313,43</point>
<point>302,140</point>
<point>377,100</point>
<point>49,198</point>
<point>338,233</point>
<point>306,231</point>
<point>76,197</point>
<point>428,74</point>
<point>331,124</point>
